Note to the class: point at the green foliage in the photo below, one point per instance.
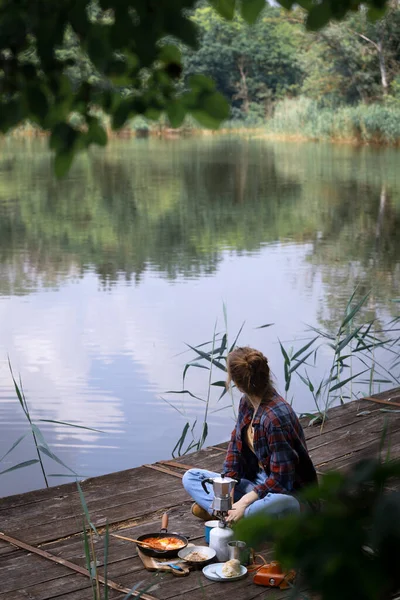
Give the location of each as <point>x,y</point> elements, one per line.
<point>250,65</point>
<point>351,549</point>
<point>354,61</point>
<point>124,57</point>
<point>65,58</point>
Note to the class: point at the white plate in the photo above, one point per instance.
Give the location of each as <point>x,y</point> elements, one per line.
<point>214,572</point>
<point>208,552</point>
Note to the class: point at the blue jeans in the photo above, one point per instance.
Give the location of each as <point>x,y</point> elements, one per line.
<point>277,505</point>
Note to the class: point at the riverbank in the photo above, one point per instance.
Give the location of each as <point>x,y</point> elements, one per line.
<point>294,120</point>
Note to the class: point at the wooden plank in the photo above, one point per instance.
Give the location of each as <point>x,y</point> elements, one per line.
<point>174,463</point>
<point>241,590</point>
<point>44,579</point>
<point>104,486</point>
<point>350,439</point>
<point>162,469</point>
<point>123,557</point>
<point>41,513</point>
<point>334,423</point>
<point>346,461</point>
<point>69,565</point>
<point>117,566</point>
<point>362,424</point>
<point>315,432</point>
<point>82,594</point>
<point>37,530</point>
<point>199,458</point>
<point>223,446</point>
<point>195,583</point>
<point>212,462</point>
<point>53,589</point>
<point>387,394</point>
<point>391,403</point>
<point>79,594</point>
<point>168,586</point>
<point>368,446</point>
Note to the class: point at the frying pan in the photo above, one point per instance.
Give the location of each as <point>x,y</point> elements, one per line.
<point>161,534</point>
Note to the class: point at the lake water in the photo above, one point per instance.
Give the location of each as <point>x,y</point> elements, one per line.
<point>106,275</point>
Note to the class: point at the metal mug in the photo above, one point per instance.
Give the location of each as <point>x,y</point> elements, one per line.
<point>240,551</point>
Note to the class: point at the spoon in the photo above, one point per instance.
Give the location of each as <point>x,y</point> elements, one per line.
<point>217,574</point>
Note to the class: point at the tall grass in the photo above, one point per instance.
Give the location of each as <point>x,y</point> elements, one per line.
<point>353,354</point>
<point>100,583</point>
<point>41,446</point>
<point>374,123</point>
<point>209,356</point>
<point>354,360</point>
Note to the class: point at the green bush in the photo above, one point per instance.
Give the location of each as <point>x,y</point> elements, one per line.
<point>351,548</point>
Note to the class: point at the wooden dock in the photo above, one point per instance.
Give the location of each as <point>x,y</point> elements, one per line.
<point>132,502</point>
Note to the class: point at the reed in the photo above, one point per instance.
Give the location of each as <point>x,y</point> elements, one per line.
<point>90,534</point>
<point>41,446</point>
<point>352,348</point>
<point>354,359</point>
<point>89,529</point>
<point>302,117</point>
<point>208,356</point>
<point>213,359</point>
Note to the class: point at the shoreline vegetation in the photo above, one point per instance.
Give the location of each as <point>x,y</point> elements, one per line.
<point>293,120</point>
<point>279,81</point>
<point>308,73</point>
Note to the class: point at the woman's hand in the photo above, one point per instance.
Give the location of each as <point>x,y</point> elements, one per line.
<point>236,513</point>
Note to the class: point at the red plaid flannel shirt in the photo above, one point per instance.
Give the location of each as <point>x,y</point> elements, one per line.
<point>279,445</point>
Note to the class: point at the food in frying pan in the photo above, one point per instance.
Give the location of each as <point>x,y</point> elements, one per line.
<point>164,543</point>
<point>231,568</point>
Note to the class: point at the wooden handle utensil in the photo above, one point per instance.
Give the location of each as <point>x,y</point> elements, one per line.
<point>164,522</point>
<point>121,537</point>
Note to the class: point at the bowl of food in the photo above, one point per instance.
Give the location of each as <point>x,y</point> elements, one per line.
<point>197,556</point>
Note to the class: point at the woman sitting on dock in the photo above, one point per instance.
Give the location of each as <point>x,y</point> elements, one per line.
<point>267,453</point>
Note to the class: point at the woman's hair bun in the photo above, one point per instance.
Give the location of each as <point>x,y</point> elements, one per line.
<point>248,369</point>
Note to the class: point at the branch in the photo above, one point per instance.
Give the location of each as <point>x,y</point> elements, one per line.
<point>364,37</point>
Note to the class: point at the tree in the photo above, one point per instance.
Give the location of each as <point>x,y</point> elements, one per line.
<point>249,64</point>
<point>354,61</point>
<point>134,68</point>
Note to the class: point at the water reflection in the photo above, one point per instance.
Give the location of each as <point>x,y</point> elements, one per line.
<point>105,275</point>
